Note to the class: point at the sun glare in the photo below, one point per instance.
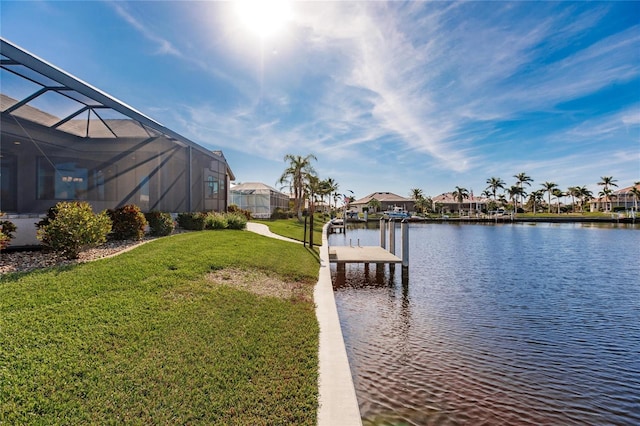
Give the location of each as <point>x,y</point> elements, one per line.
<point>263,17</point>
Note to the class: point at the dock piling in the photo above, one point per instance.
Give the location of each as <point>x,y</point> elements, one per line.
<point>392,237</point>
<point>383,242</point>
<point>404,227</point>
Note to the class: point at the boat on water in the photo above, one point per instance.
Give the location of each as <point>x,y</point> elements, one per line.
<point>397,213</point>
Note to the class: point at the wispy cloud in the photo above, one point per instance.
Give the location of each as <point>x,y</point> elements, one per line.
<point>608,126</point>
<point>163,46</point>
<point>187,53</point>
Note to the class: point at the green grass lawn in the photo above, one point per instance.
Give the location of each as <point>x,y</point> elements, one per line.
<point>147,337</point>
<point>294,229</point>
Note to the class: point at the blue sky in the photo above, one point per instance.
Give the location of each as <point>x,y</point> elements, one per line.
<point>389,96</point>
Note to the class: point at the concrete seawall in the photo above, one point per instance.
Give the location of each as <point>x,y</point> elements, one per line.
<point>338,405</point>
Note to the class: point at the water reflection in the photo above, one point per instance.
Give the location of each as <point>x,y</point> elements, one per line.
<point>507,324</point>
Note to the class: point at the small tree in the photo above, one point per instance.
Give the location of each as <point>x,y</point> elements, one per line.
<point>75,227</point>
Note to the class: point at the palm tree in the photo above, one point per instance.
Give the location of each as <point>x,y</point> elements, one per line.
<point>635,191</point>
<point>557,192</point>
<point>495,183</point>
<point>574,191</point>
<point>313,188</point>
<point>336,196</point>
<point>418,197</point>
<point>416,193</point>
<point>549,187</point>
<point>522,178</point>
<point>583,194</point>
<point>423,204</point>
<point>296,175</point>
<point>514,192</point>
<point>535,198</point>
<point>374,204</point>
<point>331,187</point>
<point>606,182</point>
<point>605,193</point>
<point>460,194</point>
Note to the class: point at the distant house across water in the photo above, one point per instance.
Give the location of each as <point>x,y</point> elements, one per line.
<point>622,199</point>
<point>446,203</point>
<point>387,200</point>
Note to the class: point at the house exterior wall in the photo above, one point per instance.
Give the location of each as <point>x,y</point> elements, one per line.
<point>42,166</point>
<point>626,201</point>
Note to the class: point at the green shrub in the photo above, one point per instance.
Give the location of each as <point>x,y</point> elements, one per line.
<point>160,223</point>
<point>215,220</point>
<point>191,221</point>
<point>4,241</point>
<point>235,209</point>
<point>236,220</point>
<point>128,223</point>
<point>7,228</point>
<point>278,213</point>
<point>74,228</point>
<point>51,214</point>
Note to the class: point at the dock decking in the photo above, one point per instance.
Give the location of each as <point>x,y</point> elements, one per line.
<point>369,254</point>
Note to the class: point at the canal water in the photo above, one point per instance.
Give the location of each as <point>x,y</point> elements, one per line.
<point>513,324</point>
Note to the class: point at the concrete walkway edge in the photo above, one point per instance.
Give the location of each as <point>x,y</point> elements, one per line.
<point>338,405</point>
<point>262,229</point>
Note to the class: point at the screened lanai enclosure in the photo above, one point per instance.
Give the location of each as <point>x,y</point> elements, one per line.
<point>63,139</point>
<point>260,199</point>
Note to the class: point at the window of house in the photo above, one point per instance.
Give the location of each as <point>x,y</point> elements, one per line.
<point>61,179</point>
<point>144,189</point>
<point>211,187</point>
<point>8,181</point>
<point>72,179</point>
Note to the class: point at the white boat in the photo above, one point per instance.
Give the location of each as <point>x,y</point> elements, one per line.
<point>397,213</point>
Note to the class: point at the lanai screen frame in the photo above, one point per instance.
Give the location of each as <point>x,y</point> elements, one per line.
<point>66,84</point>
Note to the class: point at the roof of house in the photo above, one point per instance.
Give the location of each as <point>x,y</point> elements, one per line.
<point>383,197</point>
<point>72,105</point>
<point>254,188</point>
<point>626,190</point>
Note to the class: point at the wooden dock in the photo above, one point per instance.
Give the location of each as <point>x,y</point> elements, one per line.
<point>336,227</point>
<point>367,254</point>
